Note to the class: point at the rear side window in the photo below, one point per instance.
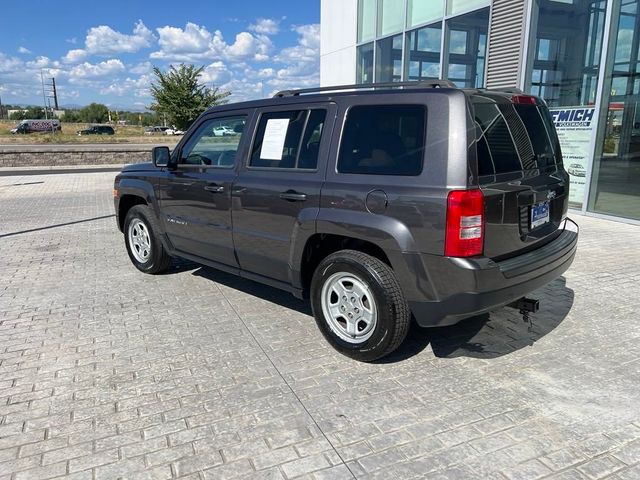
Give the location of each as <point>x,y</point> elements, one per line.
<point>288,139</point>
<point>513,137</point>
<point>383,140</point>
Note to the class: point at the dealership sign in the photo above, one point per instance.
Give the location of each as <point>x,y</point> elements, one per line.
<point>575,127</point>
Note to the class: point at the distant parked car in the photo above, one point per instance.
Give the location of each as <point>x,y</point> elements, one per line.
<point>223,132</point>
<point>98,130</point>
<point>576,170</point>
<point>157,130</point>
<point>173,131</point>
<point>31,126</point>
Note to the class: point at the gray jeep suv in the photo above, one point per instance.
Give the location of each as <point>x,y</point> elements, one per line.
<point>380,204</point>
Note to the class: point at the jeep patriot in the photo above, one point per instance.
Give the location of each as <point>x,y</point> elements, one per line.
<point>379,203</point>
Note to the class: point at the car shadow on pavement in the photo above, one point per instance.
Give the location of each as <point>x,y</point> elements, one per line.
<point>486,336</point>
<point>492,334</point>
<point>271,294</point>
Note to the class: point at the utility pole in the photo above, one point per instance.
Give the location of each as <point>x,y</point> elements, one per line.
<point>44,97</point>
<point>55,92</point>
<point>1,109</point>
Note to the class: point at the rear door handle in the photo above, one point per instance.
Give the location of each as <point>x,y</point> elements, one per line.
<point>214,188</point>
<point>292,196</point>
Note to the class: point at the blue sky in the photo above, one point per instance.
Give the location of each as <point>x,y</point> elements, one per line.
<point>103,51</point>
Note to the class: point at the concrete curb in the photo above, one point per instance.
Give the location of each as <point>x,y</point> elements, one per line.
<point>62,169</point>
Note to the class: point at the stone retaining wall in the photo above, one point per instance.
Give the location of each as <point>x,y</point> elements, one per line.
<point>68,157</point>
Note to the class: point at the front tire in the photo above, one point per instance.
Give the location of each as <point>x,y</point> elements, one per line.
<point>359,306</point>
<point>141,238</point>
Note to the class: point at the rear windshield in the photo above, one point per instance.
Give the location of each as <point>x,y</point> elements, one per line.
<point>514,137</point>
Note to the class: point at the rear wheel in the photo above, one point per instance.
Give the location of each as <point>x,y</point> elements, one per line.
<point>359,306</point>
<point>141,238</point>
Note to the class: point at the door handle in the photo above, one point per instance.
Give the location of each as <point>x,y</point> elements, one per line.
<point>292,196</point>
<point>214,188</point>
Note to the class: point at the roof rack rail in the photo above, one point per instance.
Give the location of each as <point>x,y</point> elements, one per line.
<point>436,83</point>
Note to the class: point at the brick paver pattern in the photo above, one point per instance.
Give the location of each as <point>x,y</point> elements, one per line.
<point>109,373</point>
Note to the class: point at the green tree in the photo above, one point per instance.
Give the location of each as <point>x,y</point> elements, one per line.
<point>180,96</point>
<point>94,113</point>
<point>71,116</point>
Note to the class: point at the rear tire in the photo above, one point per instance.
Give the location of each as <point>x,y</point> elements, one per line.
<point>359,306</point>
<point>143,244</point>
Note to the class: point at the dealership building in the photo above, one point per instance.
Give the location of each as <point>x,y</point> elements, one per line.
<point>581,56</point>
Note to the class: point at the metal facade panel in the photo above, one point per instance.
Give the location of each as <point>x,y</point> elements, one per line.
<point>506,40</point>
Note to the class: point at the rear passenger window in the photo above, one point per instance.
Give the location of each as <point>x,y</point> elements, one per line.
<point>288,139</point>
<point>383,140</point>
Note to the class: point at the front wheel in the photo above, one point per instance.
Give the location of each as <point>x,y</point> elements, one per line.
<point>141,238</point>
<point>359,306</point>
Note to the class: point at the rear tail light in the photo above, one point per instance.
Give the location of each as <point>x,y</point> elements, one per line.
<point>465,223</point>
<point>524,99</point>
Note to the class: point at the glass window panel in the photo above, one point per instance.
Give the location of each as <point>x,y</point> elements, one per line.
<point>215,142</point>
<point>566,45</point>
<point>423,53</point>
<point>390,16</point>
<point>429,39</point>
<point>458,41</point>
<point>457,71</point>
<point>467,48</point>
<point>544,47</point>
<point>423,11</point>
<point>387,55</point>
<point>383,140</point>
<point>625,38</point>
<point>365,64</point>
<point>458,6</point>
<point>430,70</point>
<point>616,173</point>
<point>366,20</point>
<point>287,158</point>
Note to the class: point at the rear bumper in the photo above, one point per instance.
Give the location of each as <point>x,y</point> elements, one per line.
<point>460,287</point>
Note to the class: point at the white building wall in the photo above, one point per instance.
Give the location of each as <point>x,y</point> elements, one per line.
<point>338,36</point>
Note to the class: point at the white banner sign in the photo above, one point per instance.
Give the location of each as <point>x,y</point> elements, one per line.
<point>575,127</point>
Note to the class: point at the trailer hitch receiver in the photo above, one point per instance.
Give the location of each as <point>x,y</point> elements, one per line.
<point>526,306</point>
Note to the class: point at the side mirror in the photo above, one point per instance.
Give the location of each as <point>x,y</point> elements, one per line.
<point>161,156</point>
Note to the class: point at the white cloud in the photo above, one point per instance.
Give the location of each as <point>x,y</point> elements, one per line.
<point>138,86</point>
<point>9,64</point>
<point>175,42</point>
<point>141,68</point>
<point>195,43</point>
<point>105,40</point>
<point>216,73</point>
<point>102,69</point>
<point>265,26</point>
<point>41,62</point>
<point>24,50</point>
<point>74,56</point>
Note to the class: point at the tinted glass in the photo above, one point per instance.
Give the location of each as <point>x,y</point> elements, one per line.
<point>514,137</point>
<point>288,139</point>
<point>389,59</point>
<point>496,151</point>
<point>423,53</point>
<point>390,16</point>
<point>214,143</point>
<point>383,140</point>
<point>467,48</point>
<point>421,11</point>
<point>279,147</point>
<point>311,141</point>
<point>365,63</point>
<point>366,19</point>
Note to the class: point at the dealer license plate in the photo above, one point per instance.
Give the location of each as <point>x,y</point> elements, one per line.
<point>539,214</point>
